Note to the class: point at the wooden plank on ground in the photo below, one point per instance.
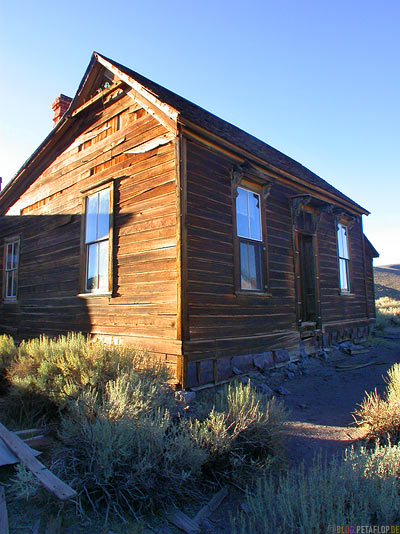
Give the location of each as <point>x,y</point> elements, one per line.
<point>183,522</point>
<point>52,483</point>
<point>212,506</point>
<point>3,512</point>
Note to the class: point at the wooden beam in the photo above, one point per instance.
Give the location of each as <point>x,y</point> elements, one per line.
<point>97,97</point>
<point>44,475</point>
<point>3,512</point>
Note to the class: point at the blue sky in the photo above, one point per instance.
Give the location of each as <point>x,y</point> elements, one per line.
<point>318,80</point>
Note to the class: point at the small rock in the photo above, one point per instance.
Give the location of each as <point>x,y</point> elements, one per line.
<point>306,371</point>
<point>282,391</point>
<point>292,367</point>
<point>303,406</point>
<point>264,389</point>
<point>236,371</point>
<point>290,375</point>
<point>256,375</point>
<point>185,396</point>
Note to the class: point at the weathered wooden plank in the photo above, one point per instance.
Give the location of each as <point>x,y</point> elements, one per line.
<point>44,475</point>
<point>3,512</point>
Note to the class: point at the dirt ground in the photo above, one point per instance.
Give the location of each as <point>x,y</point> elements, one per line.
<point>320,398</point>
<point>321,401</point>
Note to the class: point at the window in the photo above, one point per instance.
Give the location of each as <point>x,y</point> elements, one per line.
<point>11,261</point>
<point>344,258</point>
<point>97,242</point>
<point>249,233</point>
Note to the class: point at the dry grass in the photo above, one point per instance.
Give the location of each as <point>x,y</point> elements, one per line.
<point>387,312</point>
<point>360,488</point>
<point>8,351</point>
<point>381,415</point>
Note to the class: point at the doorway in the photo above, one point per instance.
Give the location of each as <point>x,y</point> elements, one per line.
<point>307,289</point>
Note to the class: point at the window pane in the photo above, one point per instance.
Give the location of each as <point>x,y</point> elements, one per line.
<point>92,266</point>
<point>15,255</point>
<point>345,244</point>
<point>103,214</point>
<point>9,256</point>
<point>244,267</point>
<point>242,218</point>
<point>10,284</point>
<point>91,218</point>
<point>103,265</point>
<point>254,215</point>
<point>343,247</point>
<point>344,275</point>
<point>251,266</point>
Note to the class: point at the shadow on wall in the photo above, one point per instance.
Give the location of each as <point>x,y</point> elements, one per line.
<point>49,276</point>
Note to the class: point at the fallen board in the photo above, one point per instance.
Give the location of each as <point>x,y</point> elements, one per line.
<point>3,512</point>
<point>7,457</point>
<point>53,484</point>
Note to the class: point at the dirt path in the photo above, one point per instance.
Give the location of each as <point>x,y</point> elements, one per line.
<point>322,401</point>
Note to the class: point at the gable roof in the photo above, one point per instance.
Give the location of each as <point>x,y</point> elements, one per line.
<point>181,108</point>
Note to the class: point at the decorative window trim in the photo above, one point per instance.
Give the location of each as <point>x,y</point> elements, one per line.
<point>250,178</point>
<point>106,290</point>
<point>11,272</point>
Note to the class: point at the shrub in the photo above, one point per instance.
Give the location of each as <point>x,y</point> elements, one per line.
<point>8,351</point>
<point>359,488</point>
<point>382,414</point>
<point>243,431</point>
<point>122,451</point>
<point>387,313</point>
<point>53,371</point>
<point>123,444</point>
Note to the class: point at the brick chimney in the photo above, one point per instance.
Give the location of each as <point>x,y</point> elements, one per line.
<point>60,106</point>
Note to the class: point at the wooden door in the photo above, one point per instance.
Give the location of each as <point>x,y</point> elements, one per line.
<point>307,287</point>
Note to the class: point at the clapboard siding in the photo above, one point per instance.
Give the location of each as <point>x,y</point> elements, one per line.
<point>214,310</point>
<point>144,300</point>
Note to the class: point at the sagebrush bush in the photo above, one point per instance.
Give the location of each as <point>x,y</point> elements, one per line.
<point>242,431</point>
<point>8,351</point>
<point>359,488</point>
<point>387,312</point>
<point>124,444</point>
<point>48,373</point>
<point>123,452</point>
<point>381,415</point>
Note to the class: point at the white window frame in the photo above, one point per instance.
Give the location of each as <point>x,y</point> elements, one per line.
<point>343,258</point>
<point>106,288</point>
<point>11,272</point>
<point>257,243</point>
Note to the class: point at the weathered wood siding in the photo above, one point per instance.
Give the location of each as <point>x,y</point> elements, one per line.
<point>220,322</point>
<point>369,280</point>
<point>143,307</point>
<point>336,307</point>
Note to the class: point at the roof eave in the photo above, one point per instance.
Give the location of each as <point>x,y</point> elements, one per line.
<point>349,203</point>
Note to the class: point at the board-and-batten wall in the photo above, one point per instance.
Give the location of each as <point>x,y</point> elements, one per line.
<point>143,308</point>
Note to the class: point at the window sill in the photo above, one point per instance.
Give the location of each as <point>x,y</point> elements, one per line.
<point>9,301</point>
<point>242,293</point>
<point>93,295</point>
<point>344,294</point>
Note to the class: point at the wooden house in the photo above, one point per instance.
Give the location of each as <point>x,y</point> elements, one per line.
<point>143,218</point>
